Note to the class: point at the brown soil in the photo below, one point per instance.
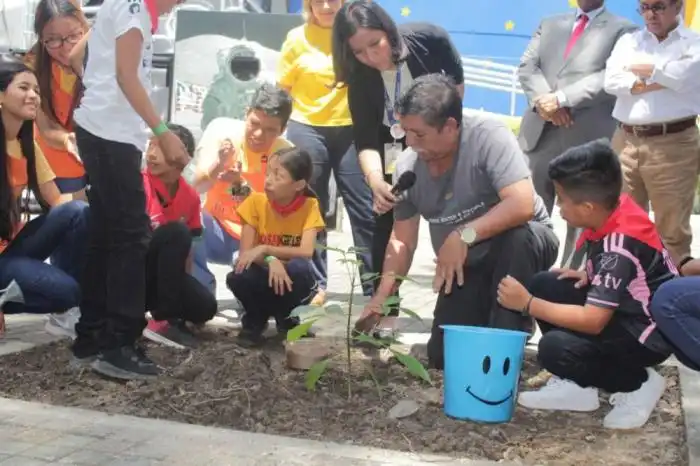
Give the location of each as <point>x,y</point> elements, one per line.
<point>224,385</point>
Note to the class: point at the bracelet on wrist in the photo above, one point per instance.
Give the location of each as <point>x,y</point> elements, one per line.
<point>269,259</point>
<point>682,263</point>
<point>160,129</point>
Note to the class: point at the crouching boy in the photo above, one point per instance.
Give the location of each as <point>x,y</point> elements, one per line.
<point>597,330</point>
<point>173,296</point>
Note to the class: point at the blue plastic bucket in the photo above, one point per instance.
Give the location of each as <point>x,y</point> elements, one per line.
<point>482,370</point>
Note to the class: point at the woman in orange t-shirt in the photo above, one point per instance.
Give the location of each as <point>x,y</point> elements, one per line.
<point>59,25</point>
<point>61,230</point>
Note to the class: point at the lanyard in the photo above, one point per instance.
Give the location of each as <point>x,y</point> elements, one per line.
<point>397,96</point>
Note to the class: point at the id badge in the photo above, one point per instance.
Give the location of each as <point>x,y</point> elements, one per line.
<point>392,151</point>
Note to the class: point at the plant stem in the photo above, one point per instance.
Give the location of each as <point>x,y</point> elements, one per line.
<point>348,335</point>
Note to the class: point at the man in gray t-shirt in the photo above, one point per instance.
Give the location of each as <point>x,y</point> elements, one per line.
<point>473,186</point>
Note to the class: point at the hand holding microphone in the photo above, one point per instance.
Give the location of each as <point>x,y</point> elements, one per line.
<point>384,195</point>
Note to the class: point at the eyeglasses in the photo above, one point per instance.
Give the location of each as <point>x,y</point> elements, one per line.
<point>57,42</point>
<point>654,8</point>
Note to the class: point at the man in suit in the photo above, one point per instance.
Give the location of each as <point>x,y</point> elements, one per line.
<point>562,74</point>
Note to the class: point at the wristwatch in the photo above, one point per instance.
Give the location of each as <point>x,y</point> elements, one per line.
<point>468,235</point>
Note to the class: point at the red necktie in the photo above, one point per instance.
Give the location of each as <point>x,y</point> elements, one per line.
<point>576,34</point>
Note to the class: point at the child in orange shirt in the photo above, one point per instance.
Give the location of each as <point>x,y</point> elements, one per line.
<point>273,274</point>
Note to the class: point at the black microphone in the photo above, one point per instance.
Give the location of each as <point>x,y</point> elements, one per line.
<point>405,182</point>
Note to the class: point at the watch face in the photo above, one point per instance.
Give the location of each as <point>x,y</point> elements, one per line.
<point>468,235</point>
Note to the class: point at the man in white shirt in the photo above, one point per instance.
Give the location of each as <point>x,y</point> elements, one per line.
<point>654,73</point>
<point>111,132</point>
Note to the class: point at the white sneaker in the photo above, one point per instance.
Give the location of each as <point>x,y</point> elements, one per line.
<point>632,410</point>
<point>63,325</point>
<point>561,395</point>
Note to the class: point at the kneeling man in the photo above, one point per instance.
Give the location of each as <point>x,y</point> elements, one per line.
<point>473,186</point>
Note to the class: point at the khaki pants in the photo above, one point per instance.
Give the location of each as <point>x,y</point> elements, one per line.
<point>663,171</point>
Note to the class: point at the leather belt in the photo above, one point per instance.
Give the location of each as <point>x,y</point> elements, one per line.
<point>659,129</point>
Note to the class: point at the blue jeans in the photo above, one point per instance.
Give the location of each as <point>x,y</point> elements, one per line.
<point>676,309</point>
<point>215,246</point>
<point>260,302</point>
<point>71,185</point>
<point>332,148</point>
<point>62,232</point>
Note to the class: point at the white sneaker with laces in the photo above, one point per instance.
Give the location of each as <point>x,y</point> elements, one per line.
<point>632,410</point>
<point>63,325</point>
<point>561,395</point>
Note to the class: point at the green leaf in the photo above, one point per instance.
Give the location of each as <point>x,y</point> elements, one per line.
<point>364,338</point>
<point>357,249</point>
<point>299,311</point>
<point>314,374</point>
<point>300,330</point>
<point>411,313</point>
<point>392,301</point>
<point>413,365</point>
<point>331,248</point>
<point>348,260</point>
<point>369,276</point>
<point>405,279</point>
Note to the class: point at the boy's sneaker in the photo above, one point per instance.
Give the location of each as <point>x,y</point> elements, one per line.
<point>125,363</point>
<point>632,410</point>
<point>561,395</point>
<point>63,325</point>
<point>250,338</point>
<point>174,334</point>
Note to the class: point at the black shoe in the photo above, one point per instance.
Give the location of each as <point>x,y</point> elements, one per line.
<point>250,338</point>
<point>125,363</point>
<point>173,333</point>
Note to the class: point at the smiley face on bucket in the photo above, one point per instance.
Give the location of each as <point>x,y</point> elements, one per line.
<point>492,374</point>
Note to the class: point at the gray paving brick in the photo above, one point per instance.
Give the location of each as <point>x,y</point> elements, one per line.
<point>134,461</point>
<point>24,461</point>
<point>88,457</point>
<point>49,452</point>
<point>70,440</point>
<point>113,445</point>
<point>36,435</point>
<point>14,447</point>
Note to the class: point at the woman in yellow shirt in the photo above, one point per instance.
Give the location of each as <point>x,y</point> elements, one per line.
<point>61,230</point>
<point>273,273</point>
<point>59,25</point>
<point>321,125</point>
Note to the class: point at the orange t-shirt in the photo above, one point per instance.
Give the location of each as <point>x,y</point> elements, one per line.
<point>63,163</point>
<point>221,203</point>
<point>17,170</point>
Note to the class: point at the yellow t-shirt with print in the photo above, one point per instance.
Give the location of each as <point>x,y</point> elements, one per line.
<point>275,229</point>
<point>306,69</point>
<point>220,202</point>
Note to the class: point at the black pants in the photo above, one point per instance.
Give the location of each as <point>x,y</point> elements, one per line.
<point>613,360</point>
<point>114,283</point>
<point>521,253</point>
<point>171,292</point>
<point>332,149</point>
<point>260,301</point>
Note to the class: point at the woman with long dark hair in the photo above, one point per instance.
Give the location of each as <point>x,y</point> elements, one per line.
<point>377,61</point>
<point>59,26</point>
<point>24,244</point>
<point>321,125</point>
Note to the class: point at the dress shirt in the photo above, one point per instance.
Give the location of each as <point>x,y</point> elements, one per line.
<point>676,63</point>
<point>561,97</point>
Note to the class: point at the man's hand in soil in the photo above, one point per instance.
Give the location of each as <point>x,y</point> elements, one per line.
<point>450,263</point>
<point>278,278</point>
<point>371,314</point>
<point>2,324</point>
<point>512,294</point>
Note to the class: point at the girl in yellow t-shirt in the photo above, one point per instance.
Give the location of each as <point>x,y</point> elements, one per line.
<point>273,274</point>
<point>321,125</point>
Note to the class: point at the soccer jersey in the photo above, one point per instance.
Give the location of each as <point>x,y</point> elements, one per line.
<point>627,264</point>
<point>163,208</point>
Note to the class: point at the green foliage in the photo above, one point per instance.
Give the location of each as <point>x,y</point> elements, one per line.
<point>308,315</point>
